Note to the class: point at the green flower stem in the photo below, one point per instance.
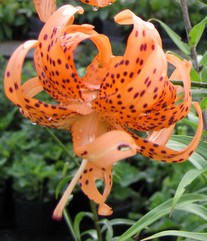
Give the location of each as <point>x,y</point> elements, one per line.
<point>188,27</point>
<point>57,140</point>
<point>95,216</point>
<point>193,83</point>
<point>69,223</point>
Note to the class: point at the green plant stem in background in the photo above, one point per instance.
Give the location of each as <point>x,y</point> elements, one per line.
<point>61,145</point>
<point>188,27</point>
<point>95,215</point>
<point>193,83</point>
<point>69,223</point>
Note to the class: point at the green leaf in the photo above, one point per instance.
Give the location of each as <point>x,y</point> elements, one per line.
<point>203,103</point>
<point>68,221</point>
<point>108,224</point>
<point>202,1</point>
<point>159,212</point>
<point>203,60</point>
<point>196,209</point>
<point>121,221</point>
<point>7,119</point>
<point>194,76</point>
<point>187,179</point>
<point>108,228</point>
<point>174,36</point>
<point>126,178</point>
<point>2,161</point>
<point>191,235</point>
<point>203,74</point>
<point>196,33</point>
<point>78,218</point>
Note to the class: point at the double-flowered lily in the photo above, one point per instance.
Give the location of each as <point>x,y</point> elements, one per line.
<point>106,109</point>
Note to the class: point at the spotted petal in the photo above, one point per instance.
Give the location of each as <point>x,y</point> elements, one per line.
<point>136,82</point>
<point>164,114</point>
<point>158,151</point>
<point>100,154</point>
<point>54,56</point>
<point>45,114</point>
<point>88,184</point>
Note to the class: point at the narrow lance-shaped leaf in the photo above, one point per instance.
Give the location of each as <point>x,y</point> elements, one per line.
<point>203,103</point>
<point>194,76</point>
<point>192,235</point>
<point>197,209</point>
<point>203,60</point>
<point>77,222</point>
<point>196,33</point>
<point>187,179</point>
<point>202,1</point>
<point>203,74</point>
<point>174,36</point>
<point>159,212</point>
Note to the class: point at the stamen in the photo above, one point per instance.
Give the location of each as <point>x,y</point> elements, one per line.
<point>57,214</point>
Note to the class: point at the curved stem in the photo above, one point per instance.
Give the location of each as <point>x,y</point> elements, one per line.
<point>188,27</point>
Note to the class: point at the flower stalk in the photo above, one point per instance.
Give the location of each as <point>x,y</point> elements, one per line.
<point>188,27</point>
<point>96,219</point>
<point>69,223</point>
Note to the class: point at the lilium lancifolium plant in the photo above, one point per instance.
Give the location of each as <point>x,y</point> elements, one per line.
<point>118,97</point>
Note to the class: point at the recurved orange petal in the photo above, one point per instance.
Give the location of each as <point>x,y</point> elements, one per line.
<point>54,57</point>
<point>136,83</point>
<point>100,152</point>
<point>160,152</point>
<point>161,137</point>
<point>109,148</point>
<point>54,61</point>
<point>53,115</point>
<point>88,179</point>
<point>45,8</point>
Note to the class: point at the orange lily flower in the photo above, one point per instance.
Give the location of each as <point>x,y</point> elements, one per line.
<point>45,8</point>
<point>118,96</point>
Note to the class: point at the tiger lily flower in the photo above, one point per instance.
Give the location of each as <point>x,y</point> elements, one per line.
<point>45,8</point>
<point>118,97</point>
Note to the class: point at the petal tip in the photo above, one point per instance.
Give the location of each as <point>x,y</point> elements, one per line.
<point>104,210</point>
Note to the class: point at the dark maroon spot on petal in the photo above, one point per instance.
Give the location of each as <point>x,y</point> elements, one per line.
<point>45,37</point>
